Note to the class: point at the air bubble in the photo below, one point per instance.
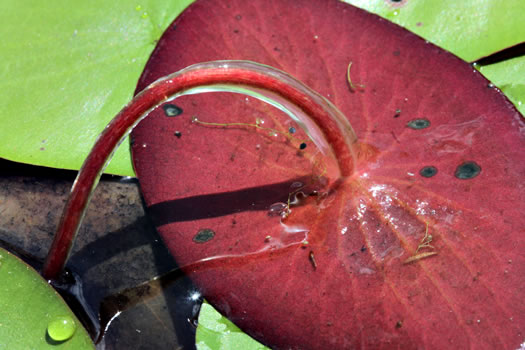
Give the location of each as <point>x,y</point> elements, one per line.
<point>467,170</point>
<point>171,110</point>
<point>204,235</point>
<point>418,124</point>
<point>428,171</point>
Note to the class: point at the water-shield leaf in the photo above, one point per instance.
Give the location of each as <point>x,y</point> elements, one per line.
<point>420,248</point>
<point>33,315</point>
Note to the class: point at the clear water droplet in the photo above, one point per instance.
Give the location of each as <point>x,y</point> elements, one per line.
<point>61,328</point>
<point>277,209</point>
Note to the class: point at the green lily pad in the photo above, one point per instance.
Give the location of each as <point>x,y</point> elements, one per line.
<point>32,313</point>
<point>509,76</point>
<point>67,68</point>
<point>471,29</point>
<point>216,332</point>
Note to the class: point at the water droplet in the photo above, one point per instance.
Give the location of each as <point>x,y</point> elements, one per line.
<point>428,171</point>
<point>61,328</point>
<point>292,130</point>
<point>171,110</point>
<point>302,145</point>
<point>418,124</point>
<point>138,8</point>
<point>144,15</point>
<point>467,170</point>
<point>204,235</point>
<point>277,209</point>
<point>238,17</point>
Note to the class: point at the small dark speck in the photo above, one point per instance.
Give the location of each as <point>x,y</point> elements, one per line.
<point>238,17</point>
<point>396,53</point>
<point>399,324</point>
<point>42,149</point>
<point>396,0</point>
<point>428,171</point>
<point>178,134</point>
<point>467,170</point>
<point>236,31</point>
<point>204,235</point>
<point>171,110</point>
<point>292,130</point>
<point>418,124</point>
<point>302,145</point>
<point>398,113</point>
<point>363,249</point>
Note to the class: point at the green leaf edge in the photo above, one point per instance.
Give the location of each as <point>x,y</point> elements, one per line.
<point>27,304</point>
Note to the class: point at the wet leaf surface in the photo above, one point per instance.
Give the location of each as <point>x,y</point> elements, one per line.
<point>117,249</point>
<point>33,314</point>
<point>420,247</point>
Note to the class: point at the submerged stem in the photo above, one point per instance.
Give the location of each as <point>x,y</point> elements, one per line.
<point>310,110</point>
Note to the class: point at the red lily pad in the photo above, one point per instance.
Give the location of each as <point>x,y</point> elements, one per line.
<point>421,247</point>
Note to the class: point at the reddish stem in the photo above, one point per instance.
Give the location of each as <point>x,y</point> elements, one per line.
<point>245,74</point>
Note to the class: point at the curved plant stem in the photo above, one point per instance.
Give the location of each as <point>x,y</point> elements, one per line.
<point>260,81</point>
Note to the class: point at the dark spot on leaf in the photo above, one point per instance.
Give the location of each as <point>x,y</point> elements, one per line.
<point>418,124</point>
<point>238,17</point>
<point>171,110</point>
<point>291,130</point>
<point>204,235</point>
<point>398,113</point>
<point>399,324</point>
<point>396,53</point>
<point>467,170</point>
<point>428,171</point>
<point>363,249</point>
<point>302,145</point>
<point>178,134</point>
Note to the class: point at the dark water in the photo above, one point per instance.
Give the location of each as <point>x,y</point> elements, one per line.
<point>116,258</point>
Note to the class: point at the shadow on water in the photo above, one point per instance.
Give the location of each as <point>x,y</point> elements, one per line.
<point>117,250</point>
